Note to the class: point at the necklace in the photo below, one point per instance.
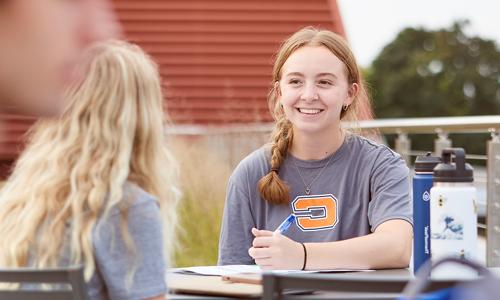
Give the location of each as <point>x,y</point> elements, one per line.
<point>308,186</point>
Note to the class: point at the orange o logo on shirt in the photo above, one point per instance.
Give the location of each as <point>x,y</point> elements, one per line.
<point>316,212</point>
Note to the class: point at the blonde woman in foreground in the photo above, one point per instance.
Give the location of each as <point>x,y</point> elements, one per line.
<point>98,185</point>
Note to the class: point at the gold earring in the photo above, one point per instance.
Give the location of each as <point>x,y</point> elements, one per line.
<point>345,107</point>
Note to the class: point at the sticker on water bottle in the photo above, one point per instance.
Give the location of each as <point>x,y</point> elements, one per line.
<point>452,228</point>
<point>426,196</point>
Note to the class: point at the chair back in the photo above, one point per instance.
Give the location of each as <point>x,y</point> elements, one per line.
<point>72,276</point>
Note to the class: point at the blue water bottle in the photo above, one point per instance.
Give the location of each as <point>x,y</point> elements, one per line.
<point>422,184</point>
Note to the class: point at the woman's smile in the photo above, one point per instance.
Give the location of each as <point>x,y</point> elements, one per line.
<point>310,111</point>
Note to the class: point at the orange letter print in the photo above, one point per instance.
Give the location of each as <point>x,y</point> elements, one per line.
<point>316,212</point>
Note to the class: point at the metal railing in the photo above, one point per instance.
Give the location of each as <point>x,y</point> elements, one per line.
<point>441,127</point>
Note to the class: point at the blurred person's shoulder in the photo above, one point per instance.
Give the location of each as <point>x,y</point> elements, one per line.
<point>134,199</point>
<point>136,195</point>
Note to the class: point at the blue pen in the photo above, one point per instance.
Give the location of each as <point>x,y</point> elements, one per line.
<point>286,224</point>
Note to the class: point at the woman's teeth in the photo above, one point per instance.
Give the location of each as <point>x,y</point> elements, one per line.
<point>310,111</point>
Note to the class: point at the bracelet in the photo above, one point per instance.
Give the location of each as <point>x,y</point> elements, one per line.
<point>305,256</point>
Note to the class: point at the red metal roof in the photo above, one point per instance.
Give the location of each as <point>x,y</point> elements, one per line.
<point>215,56</point>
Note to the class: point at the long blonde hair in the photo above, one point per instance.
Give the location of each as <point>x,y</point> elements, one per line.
<point>271,187</point>
<point>75,167</point>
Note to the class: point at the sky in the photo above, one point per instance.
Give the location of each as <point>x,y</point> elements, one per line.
<point>372,24</point>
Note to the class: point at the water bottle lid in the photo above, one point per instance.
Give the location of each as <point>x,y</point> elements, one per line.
<point>458,171</point>
<point>426,163</point>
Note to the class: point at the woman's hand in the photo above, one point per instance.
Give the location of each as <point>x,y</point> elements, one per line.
<point>275,251</point>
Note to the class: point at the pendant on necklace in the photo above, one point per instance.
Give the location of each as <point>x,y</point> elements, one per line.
<point>308,191</point>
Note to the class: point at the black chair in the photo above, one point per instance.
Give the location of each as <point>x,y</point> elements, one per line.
<point>383,284</point>
<point>71,276</point>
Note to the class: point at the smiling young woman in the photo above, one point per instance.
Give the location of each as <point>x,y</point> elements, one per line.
<point>349,194</point>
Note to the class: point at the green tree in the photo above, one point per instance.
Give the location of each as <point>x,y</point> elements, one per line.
<point>424,73</point>
<point>436,73</point>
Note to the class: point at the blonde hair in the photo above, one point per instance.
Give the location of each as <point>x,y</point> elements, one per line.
<point>74,168</point>
<point>271,187</point>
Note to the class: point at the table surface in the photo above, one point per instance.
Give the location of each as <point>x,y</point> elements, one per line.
<point>398,274</point>
<point>385,274</point>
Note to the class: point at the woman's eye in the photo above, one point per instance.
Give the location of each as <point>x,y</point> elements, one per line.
<point>325,82</point>
<point>294,81</point>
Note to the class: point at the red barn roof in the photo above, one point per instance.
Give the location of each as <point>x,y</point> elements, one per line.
<point>216,56</point>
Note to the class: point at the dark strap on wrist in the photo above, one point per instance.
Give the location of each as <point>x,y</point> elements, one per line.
<point>305,256</point>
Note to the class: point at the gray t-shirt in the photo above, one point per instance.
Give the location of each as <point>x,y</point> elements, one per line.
<point>364,185</point>
<point>112,260</point>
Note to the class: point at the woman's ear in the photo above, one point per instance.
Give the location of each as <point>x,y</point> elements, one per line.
<point>352,92</point>
<point>277,88</point>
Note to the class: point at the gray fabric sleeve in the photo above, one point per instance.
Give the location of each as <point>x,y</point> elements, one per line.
<point>113,261</point>
<point>390,190</point>
<point>236,236</point>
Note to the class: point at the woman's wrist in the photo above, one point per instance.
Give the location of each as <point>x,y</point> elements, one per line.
<point>304,263</point>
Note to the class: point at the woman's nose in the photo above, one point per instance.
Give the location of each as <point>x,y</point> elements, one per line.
<point>309,93</point>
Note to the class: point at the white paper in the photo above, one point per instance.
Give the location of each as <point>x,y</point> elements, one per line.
<point>248,269</point>
<point>219,270</point>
